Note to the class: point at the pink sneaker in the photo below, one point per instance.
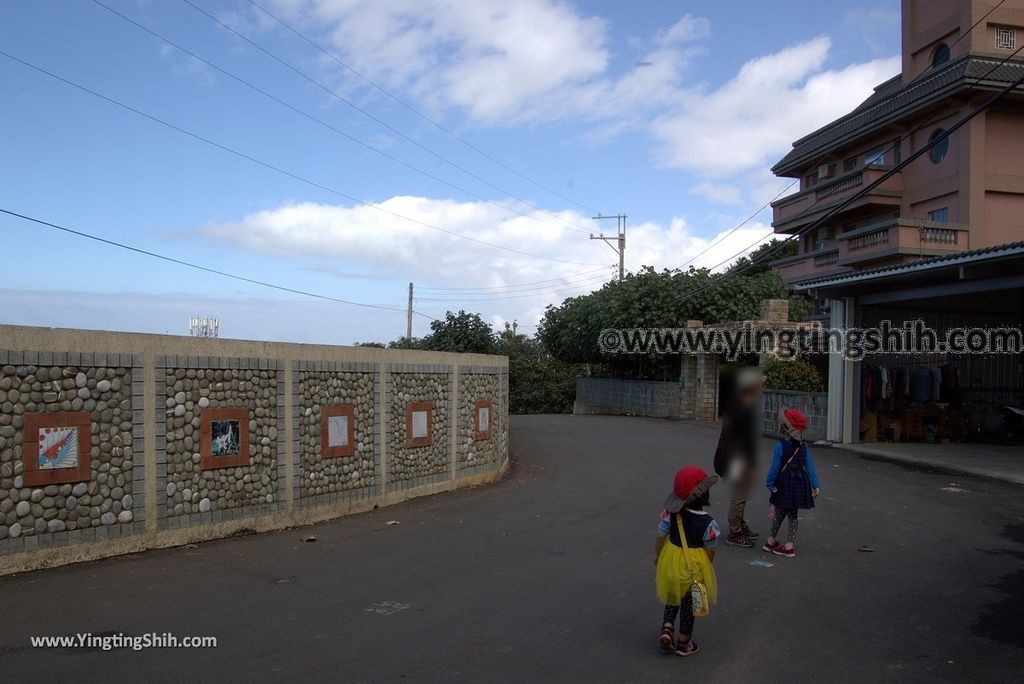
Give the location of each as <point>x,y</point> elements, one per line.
<point>666,638</point>
<point>687,648</point>
<point>785,551</point>
<point>770,547</point>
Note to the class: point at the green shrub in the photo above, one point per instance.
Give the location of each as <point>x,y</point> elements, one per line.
<point>792,374</point>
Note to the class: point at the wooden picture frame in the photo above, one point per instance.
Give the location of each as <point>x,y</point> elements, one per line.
<point>215,434</point>
<point>347,411</point>
<point>55,436</point>
<point>411,440</point>
<point>482,427</point>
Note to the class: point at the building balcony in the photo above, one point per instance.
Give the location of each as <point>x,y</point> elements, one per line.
<point>889,240</point>
<point>897,239</point>
<point>796,211</point>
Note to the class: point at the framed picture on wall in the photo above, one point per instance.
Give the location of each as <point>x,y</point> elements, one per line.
<point>224,438</point>
<point>337,431</point>
<point>419,424</point>
<point>484,414</point>
<point>57,448</point>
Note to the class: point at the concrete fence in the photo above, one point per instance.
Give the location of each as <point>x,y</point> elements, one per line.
<point>113,443</point>
<point>814,405</point>
<point>628,397</point>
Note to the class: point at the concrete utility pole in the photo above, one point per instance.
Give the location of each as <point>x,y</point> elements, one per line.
<point>408,319</point>
<point>620,239</point>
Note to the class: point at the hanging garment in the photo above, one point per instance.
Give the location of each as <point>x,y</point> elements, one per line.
<point>922,388</point>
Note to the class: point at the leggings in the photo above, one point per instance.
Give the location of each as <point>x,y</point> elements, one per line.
<point>781,513</point>
<point>685,612</point>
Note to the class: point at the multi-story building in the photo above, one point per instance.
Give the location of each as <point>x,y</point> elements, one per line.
<point>941,241</point>
<point>966,193</point>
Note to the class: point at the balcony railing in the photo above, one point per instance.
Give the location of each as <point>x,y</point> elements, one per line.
<point>870,240</point>
<point>884,241</point>
<point>793,211</point>
<point>826,259</point>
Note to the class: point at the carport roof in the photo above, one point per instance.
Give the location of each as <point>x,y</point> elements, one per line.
<point>997,261</point>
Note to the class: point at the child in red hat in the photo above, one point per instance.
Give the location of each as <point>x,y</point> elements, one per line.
<point>692,533</point>
<point>792,481</point>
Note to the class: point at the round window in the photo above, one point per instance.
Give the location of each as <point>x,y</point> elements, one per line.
<point>941,55</point>
<point>941,145</point>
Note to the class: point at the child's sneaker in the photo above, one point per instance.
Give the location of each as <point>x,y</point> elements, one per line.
<point>770,546</point>
<point>741,540</point>
<point>785,551</point>
<point>666,638</point>
<point>687,648</point>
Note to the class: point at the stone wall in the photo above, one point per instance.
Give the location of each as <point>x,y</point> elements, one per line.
<point>475,386</point>
<point>144,441</point>
<point>814,405</point>
<point>628,397</point>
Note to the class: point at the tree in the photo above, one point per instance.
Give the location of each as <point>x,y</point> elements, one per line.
<point>462,332</point>
<point>538,382</point>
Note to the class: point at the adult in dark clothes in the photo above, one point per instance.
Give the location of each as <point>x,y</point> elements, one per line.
<point>736,456</point>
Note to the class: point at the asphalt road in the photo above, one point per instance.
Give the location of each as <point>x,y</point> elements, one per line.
<point>547,576</point>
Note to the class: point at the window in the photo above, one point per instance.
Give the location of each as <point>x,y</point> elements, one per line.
<point>939,215</point>
<point>850,164</point>
<point>810,180</point>
<point>941,145</point>
<point>875,156</point>
<point>941,55</point>
<point>897,153</point>
<point>1006,38</point>
<point>337,431</point>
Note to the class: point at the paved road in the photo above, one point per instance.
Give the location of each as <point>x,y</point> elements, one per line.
<point>547,576</point>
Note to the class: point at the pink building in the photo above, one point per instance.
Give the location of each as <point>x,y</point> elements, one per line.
<point>941,241</point>
<point>967,193</point>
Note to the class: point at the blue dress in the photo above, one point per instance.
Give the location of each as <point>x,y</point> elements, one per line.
<point>793,482</point>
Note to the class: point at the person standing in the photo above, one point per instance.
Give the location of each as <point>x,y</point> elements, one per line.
<point>736,455</point>
<point>792,481</point>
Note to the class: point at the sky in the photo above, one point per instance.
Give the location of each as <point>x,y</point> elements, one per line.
<point>356,146</point>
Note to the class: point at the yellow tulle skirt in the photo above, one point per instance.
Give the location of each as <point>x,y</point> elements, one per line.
<point>673,577</point>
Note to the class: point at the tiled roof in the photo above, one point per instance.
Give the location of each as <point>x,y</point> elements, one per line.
<point>892,101</point>
<point>956,259</point>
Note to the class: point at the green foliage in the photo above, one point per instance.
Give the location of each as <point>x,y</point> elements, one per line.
<point>538,382</point>
<point>653,299</point>
<point>404,342</point>
<point>462,332</point>
<point>376,345</point>
<point>792,374</point>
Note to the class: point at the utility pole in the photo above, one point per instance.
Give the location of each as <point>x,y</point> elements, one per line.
<point>620,239</point>
<point>408,319</point>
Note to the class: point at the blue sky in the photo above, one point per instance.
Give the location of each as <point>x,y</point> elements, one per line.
<point>668,111</point>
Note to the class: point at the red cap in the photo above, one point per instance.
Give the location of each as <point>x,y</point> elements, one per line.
<point>794,421</point>
<point>686,479</point>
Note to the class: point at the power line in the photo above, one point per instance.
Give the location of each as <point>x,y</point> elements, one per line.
<point>471,297</point>
<point>511,286</point>
<point>371,116</point>
<point>280,170</point>
<point>325,124</point>
<point>874,184</point>
<point>189,264</point>
<point>417,112</point>
<point>741,224</point>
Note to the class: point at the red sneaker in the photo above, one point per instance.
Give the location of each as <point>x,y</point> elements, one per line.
<point>785,551</point>
<point>770,546</point>
<point>666,638</point>
<point>687,648</point>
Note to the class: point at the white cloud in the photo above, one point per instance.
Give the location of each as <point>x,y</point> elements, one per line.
<point>752,119</point>
<point>372,244</point>
<point>498,62</point>
<point>724,193</point>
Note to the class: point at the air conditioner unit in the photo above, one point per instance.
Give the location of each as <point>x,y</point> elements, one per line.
<point>825,171</point>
